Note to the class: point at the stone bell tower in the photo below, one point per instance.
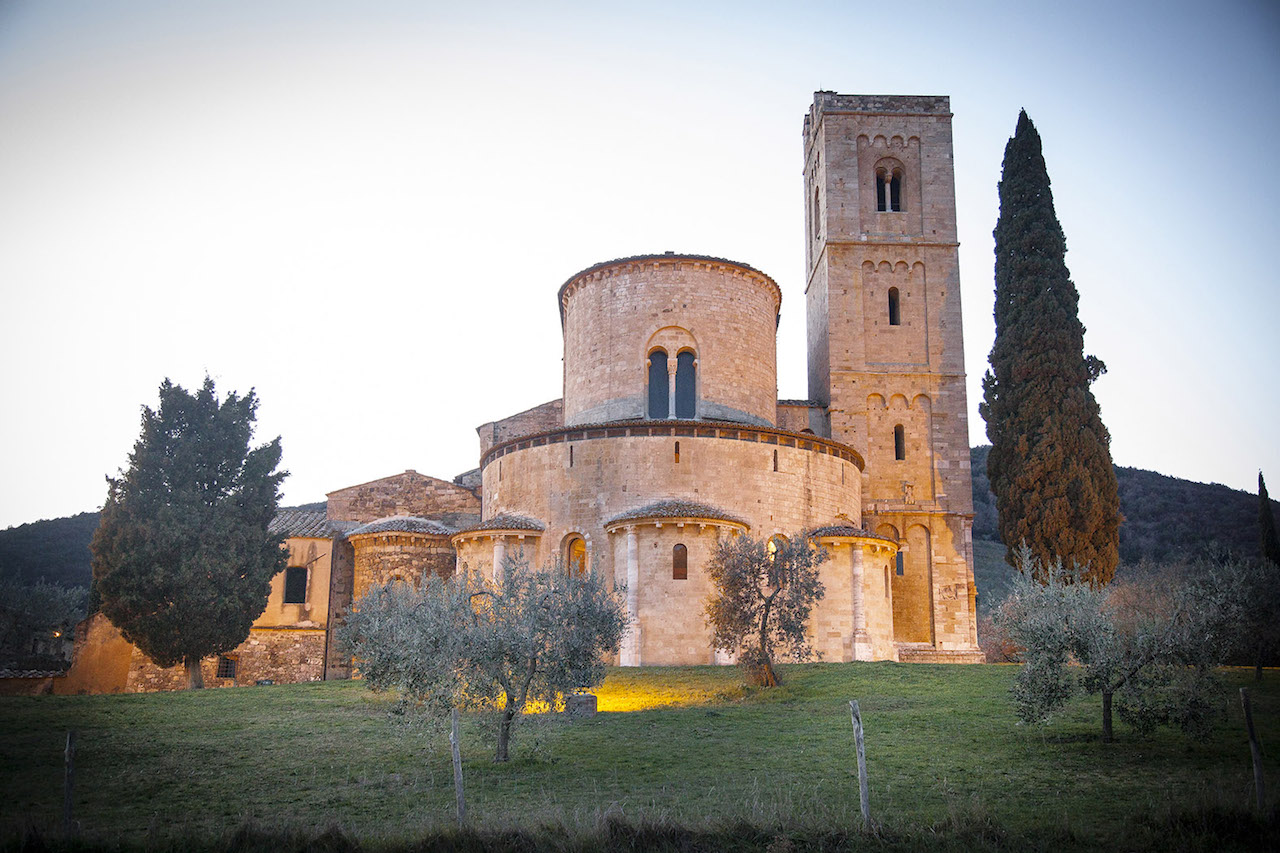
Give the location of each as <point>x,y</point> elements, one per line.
<point>886,348</point>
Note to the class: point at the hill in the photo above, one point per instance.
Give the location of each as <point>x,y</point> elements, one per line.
<point>58,549</point>
<point>1164,517</point>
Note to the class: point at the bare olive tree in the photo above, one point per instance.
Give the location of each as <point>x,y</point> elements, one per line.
<point>468,642</point>
<point>764,592</point>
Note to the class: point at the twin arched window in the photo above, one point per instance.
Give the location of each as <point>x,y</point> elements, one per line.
<point>888,191</point>
<point>663,398</point>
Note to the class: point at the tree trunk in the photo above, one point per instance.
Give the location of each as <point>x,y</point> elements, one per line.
<point>504,733</point>
<point>1106,716</point>
<point>195,678</point>
<point>765,675</point>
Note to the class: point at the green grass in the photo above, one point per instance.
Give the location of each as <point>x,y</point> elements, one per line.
<point>945,757</point>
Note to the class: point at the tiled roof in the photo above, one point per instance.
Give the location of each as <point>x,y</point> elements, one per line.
<point>506,521</point>
<point>302,523</point>
<point>404,524</point>
<point>675,509</point>
<point>812,404</point>
<point>845,530</point>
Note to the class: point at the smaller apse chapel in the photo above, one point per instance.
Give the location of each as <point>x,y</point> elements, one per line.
<point>669,436</point>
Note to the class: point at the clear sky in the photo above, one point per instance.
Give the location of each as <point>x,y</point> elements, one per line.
<point>364,210</point>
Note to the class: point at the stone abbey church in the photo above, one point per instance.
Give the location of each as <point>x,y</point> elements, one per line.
<point>670,435</point>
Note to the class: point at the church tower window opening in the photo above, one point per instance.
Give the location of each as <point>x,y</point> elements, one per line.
<point>677,453</point>
<point>659,392</point>
<point>686,384</point>
<point>895,307</point>
<point>889,191</point>
<point>680,563</point>
<point>899,443</point>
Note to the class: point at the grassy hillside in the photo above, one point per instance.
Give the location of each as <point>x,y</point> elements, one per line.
<point>943,751</point>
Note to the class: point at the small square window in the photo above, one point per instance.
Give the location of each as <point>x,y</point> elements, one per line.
<point>226,667</point>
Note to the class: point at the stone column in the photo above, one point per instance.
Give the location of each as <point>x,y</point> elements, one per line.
<point>861,639</point>
<point>630,654</point>
<point>499,557</point>
<point>672,364</point>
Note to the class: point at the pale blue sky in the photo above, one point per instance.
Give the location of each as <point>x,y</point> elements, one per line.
<point>365,210</point>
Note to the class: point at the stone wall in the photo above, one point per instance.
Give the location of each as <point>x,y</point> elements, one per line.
<point>616,313</point>
<point>399,555</point>
<point>544,418</point>
<point>280,655</point>
<point>409,493</point>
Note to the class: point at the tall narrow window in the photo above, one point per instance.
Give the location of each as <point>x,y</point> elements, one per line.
<point>817,228</point>
<point>775,460</point>
<point>677,451</point>
<point>658,391</point>
<point>895,307</point>
<point>679,563</point>
<point>886,581</point>
<point>895,192</point>
<point>686,385</point>
<point>295,585</point>
<point>899,443</point>
<point>880,196</point>
<point>576,556</point>
<point>571,456</point>
<point>901,565</point>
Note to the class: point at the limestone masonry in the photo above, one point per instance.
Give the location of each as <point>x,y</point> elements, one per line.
<point>670,436</point>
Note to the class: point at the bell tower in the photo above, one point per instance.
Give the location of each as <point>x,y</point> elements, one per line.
<point>886,347</point>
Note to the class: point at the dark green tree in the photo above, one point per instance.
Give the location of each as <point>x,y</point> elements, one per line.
<point>1260,593</point>
<point>1268,542</point>
<point>182,560</point>
<point>1050,462</point>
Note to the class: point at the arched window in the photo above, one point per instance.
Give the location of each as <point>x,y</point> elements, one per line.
<point>658,391</point>
<point>295,585</point>
<point>686,385</point>
<point>889,191</point>
<point>895,307</point>
<point>679,563</point>
<point>575,556</point>
<point>899,443</point>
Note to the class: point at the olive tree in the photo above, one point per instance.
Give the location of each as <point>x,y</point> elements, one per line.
<point>764,592</point>
<point>1147,649</point>
<point>468,642</point>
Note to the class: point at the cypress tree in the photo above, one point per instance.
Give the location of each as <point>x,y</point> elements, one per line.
<point>1268,542</point>
<point>1050,462</point>
<point>182,558</point>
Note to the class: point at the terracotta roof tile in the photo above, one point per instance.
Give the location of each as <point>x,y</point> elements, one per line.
<point>674,508</point>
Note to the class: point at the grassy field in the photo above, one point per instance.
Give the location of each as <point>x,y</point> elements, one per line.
<point>673,747</point>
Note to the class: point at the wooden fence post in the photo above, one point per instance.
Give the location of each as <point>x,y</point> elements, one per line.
<point>1259,785</point>
<point>68,784</point>
<point>863,796</point>
<point>457,769</point>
